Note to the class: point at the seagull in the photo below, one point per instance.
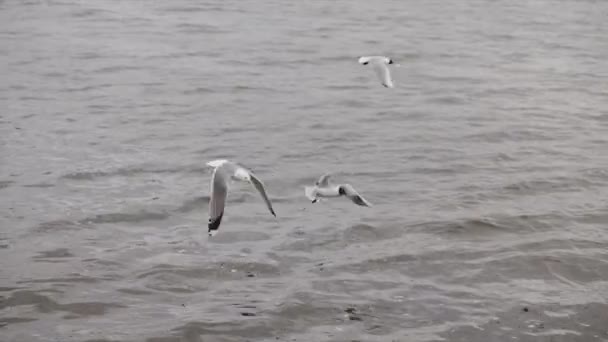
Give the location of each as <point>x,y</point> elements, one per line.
<point>380,64</point>
<point>323,188</point>
<point>223,172</point>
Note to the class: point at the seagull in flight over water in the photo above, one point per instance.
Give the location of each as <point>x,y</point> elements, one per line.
<point>225,171</point>
<point>380,64</point>
<point>323,188</point>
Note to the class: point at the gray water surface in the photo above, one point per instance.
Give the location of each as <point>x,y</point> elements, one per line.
<point>487,166</point>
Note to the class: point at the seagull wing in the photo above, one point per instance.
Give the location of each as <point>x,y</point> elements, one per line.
<point>383,73</point>
<point>310,193</point>
<point>354,196</point>
<point>323,180</point>
<point>260,187</point>
<point>219,190</point>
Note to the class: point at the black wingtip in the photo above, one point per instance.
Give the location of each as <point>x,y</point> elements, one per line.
<point>214,224</point>
<point>359,201</point>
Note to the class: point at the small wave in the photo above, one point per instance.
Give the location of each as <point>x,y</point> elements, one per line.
<point>11,320</point>
<point>5,288</point>
<point>132,172</point>
<point>350,103</point>
<point>5,184</point>
<point>86,88</point>
<point>217,270</point>
<point>561,265</point>
<point>599,174</point>
<point>117,68</point>
<point>154,121</point>
<point>89,12</point>
<point>193,204</point>
<point>307,309</point>
<point>53,254</point>
<point>337,58</point>
<point>67,280</point>
<point>364,232</point>
<point>99,107</point>
<point>199,91</point>
<point>299,51</point>
<point>136,292</point>
<point>84,309</point>
<point>87,55</point>
<point>58,225</point>
<point>246,88</point>
<point>376,264</point>
<point>313,241</point>
<point>34,98</point>
<point>556,184</point>
<point>506,135</point>
<point>244,329</point>
<point>345,87</point>
<point>453,169</point>
<point>86,175</point>
<point>140,216</point>
<point>199,28</point>
<point>186,9</point>
<point>598,216</point>
<point>557,243</point>
<point>469,226</point>
<point>354,285</point>
<point>174,286</point>
<point>448,100</point>
<point>39,185</point>
<point>533,322</point>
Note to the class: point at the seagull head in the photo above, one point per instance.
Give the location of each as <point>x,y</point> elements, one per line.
<point>341,191</point>
<point>217,163</point>
<point>242,175</point>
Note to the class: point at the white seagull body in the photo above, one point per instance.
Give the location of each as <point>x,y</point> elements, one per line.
<point>223,172</point>
<point>323,189</point>
<point>380,65</point>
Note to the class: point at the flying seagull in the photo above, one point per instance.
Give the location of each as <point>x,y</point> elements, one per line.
<point>323,188</point>
<point>380,64</point>
<point>223,172</point>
